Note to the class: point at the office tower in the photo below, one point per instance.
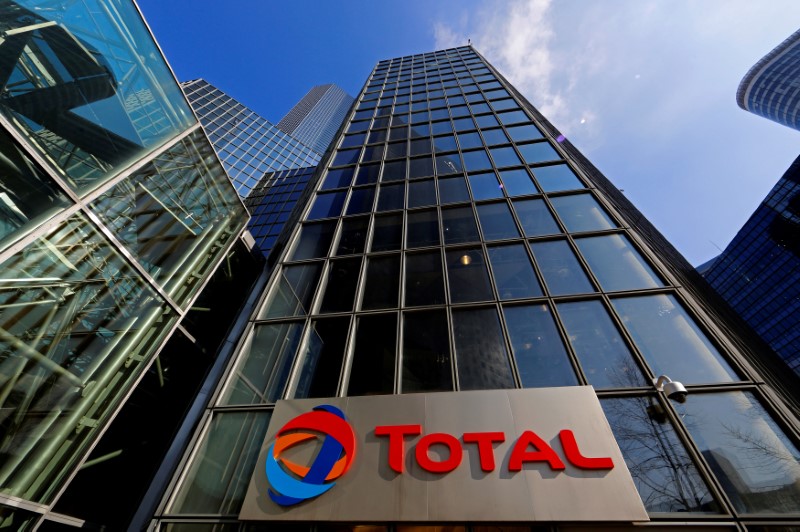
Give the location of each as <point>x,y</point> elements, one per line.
<point>116,219</point>
<point>454,241</point>
<point>772,87</point>
<point>758,274</point>
<point>317,116</point>
<point>247,144</point>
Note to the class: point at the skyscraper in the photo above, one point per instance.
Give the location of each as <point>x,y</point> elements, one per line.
<point>454,241</point>
<point>758,274</point>
<point>317,116</point>
<point>247,144</point>
<point>116,218</point>
<point>772,87</point>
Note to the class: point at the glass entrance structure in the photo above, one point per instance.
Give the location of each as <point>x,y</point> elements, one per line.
<point>454,240</point>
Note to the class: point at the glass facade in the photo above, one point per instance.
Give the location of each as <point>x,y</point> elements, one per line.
<point>248,145</point>
<point>315,119</point>
<point>452,243</point>
<point>115,215</point>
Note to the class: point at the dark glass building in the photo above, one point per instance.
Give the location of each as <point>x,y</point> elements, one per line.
<point>317,116</point>
<point>453,240</point>
<point>248,145</point>
<point>758,274</point>
<point>772,87</point>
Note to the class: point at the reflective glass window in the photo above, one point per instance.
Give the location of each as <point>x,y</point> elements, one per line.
<point>505,157</point>
<point>581,212</point>
<point>524,132</point>
<point>504,105</point>
<point>423,229</point>
<point>756,463</point>
<point>556,177</point>
<point>459,226</point>
<point>424,279</point>
<point>469,140</point>
<point>351,141</point>
<point>616,264</point>
<point>664,474</point>
<point>314,241</point>
<point>475,161</point>
<point>383,283</point>
<point>426,352</point>
<point>368,174</point>
<point>387,234</point>
<point>671,341</point>
<point>420,147</point>
<point>467,276</point>
<point>394,171</point>
<point>337,178</point>
<point>344,157</point>
<point>517,182</point>
<point>340,289</point>
<point>512,117</point>
<point>463,124</point>
<point>327,205</point>
<point>321,362</point>
<point>541,357</point>
<point>421,193</point>
<point>561,270</point>
<point>538,152</point>
<point>420,167</point>
<point>361,200</point>
<point>376,136</point>
<point>496,221</point>
<point>398,133</point>
<point>481,355</point>
<point>372,369</point>
<point>486,121</point>
<point>485,186</point>
<point>535,217</point>
<point>513,273</point>
<point>439,128</point>
<point>396,149</point>
<point>353,237</point>
<point>603,354</point>
<point>391,197</point>
<point>372,153</point>
<point>444,143</point>
<point>448,164</point>
<point>494,136</point>
<point>293,292</point>
<point>453,189</point>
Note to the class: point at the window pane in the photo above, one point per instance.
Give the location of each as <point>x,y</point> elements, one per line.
<point>481,355</point>
<point>337,178</point>
<point>448,164</point>
<point>388,232</point>
<point>421,193</point>
<point>391,197</point>
<point>327,205</point>
<point>535,217</point>
<point>314,241</point>
<point>755,462</point>
<point>485,186</point>
<point>264,365</point>
<point>372,370</point>
<point>470,140</point>
<point>383,283</point>
<point>218,477</point>
<point>538,152</point>
<point>394,171</point>
<point>444,143</point>
<point>426,352</point>
<point>517,182</point>
<point>420,167</point>
<point>524,132</point>
<point>541,357</point>
<point>664,474</point>
<point>354,236</point>
<point>606,360</point>
<point>512,117</point>
<point>344,157</point>
<point>475,161</point>
<point>616,264</point>
<point>496,221</point>
<point>361,200</point>
<point>420,147</point>
<point>423,229</point>
<point>670,340</point>
<point>581,212</point>
<point>459,225</point>
<point>561,270</point>
<point>396,149</point>
<point>556,177</point>
<point>494,136</point>
<point>340,289</point>
<point>368,174</point>
<point>424,279</point>
<point>322,360</point>
<point>467,276</point>
<point>513,273</point>
<point>505,157</point>
<point>294,291</point>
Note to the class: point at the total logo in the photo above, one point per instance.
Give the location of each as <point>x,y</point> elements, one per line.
<point>292,483</point>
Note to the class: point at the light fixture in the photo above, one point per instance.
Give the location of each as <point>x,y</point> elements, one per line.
<point>672,389</point>
<point>465,259</point>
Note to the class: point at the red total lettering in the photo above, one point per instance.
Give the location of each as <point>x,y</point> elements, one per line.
<point>576,458</point>
<point>543,452</point>
<point>396,447</point>
<point>445,466</point>
<point>485,450</point>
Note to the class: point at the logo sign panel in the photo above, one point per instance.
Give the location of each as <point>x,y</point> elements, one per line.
<point>543,454</point>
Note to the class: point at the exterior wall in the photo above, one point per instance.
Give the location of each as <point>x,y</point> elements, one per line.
<point>114,215</point>
<point>247,144</point>
<point>772,87</point>
<point>317,116</point>
<point>455,241</point>
<point>758,274</point>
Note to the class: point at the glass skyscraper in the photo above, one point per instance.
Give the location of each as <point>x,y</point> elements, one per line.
<point>317,116</point>
<point>247,144</point>
<point>454,240</point>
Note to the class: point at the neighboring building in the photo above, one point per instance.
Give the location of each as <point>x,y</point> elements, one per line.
<point>247,144</point>
<point>772,87</point>
<point>453,240</point>
<point>317,117</point>
<point>272,201</point>
<point>117,226</point>
<point>758,274</point>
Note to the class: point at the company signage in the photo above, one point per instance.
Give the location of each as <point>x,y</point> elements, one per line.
<point>543,454</point>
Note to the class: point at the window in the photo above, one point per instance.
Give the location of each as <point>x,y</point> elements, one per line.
<point>561,270</point>
<point>581,212</point>
<point>483,362</point>
<point>426,352</point>
<point>467,276</point>
<point>513,273</point>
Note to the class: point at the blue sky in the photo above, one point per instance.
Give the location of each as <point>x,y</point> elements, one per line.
<point>646,89</point>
